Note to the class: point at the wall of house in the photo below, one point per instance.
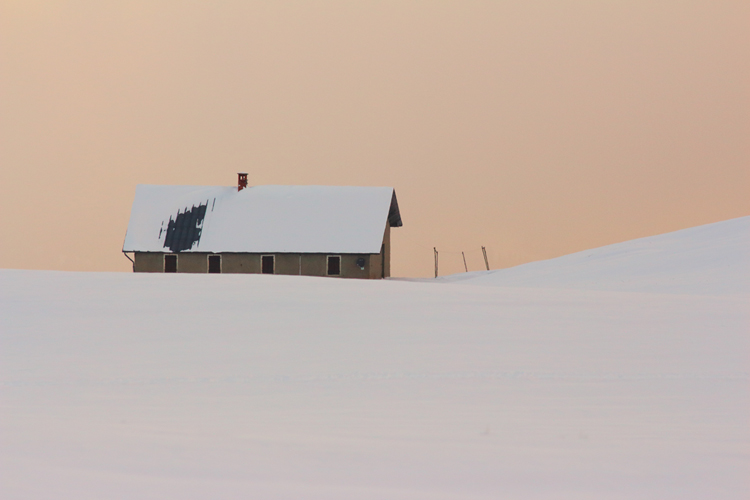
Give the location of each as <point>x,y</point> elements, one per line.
<point>375,268</point>
<point>380,264</point>
<point>387,250</point>
<point>232,263</point>
<point>308,264</point>
<point>148,262</point>
<point>192,263</point>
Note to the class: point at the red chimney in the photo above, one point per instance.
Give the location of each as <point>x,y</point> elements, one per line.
<point>241,181</point>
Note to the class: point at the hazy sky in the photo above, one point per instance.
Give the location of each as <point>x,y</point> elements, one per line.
<point>533,128</point>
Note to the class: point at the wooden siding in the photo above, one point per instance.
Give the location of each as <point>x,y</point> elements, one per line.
<point>309,264</point>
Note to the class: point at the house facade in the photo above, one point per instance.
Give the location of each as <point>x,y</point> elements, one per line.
<point>293,230</point>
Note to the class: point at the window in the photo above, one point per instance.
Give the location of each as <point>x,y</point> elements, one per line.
<point>170,263</point>
<point>267,264</point>
<point>214,264</point>
<point>334,265</point>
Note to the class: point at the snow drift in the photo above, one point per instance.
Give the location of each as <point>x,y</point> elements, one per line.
<point>713,259</point>
<point>580,379</point>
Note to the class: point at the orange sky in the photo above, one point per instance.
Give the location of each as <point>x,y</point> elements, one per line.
<point>533,128</point>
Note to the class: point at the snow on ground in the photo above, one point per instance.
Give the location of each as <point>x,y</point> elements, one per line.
<point>122,386</point>
<point>712,259</point>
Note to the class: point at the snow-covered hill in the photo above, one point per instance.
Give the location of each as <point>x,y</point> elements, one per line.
<point>713,259</point>
<point>122,386</point>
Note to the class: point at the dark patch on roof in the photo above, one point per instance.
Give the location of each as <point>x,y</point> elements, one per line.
<point>394,215</point>
<point>185,230</point>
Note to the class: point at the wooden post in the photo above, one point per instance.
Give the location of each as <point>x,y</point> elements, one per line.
<point>436,261</point>
<point>486,262</point>
<point>465,268</point>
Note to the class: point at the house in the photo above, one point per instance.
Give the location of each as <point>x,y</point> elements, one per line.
<point>294,230</point>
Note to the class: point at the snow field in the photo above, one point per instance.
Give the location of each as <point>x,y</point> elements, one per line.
<point>193,386</point>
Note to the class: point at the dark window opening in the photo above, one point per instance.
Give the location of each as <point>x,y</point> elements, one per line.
<point>267,264</point>
<point>170,263</point>
<point>334,265</point>
<point>214,264</point>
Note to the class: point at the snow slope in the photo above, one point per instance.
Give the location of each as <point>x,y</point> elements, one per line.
<point>713,259</point>
<point>123,386</point>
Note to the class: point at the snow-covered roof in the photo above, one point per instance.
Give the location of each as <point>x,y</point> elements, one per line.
<point>277,219</point>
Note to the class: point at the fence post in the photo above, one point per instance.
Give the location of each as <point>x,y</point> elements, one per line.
<point>436,261</point>
<point>486,262</point>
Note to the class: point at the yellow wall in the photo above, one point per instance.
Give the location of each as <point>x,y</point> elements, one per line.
<point>286,263</point>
